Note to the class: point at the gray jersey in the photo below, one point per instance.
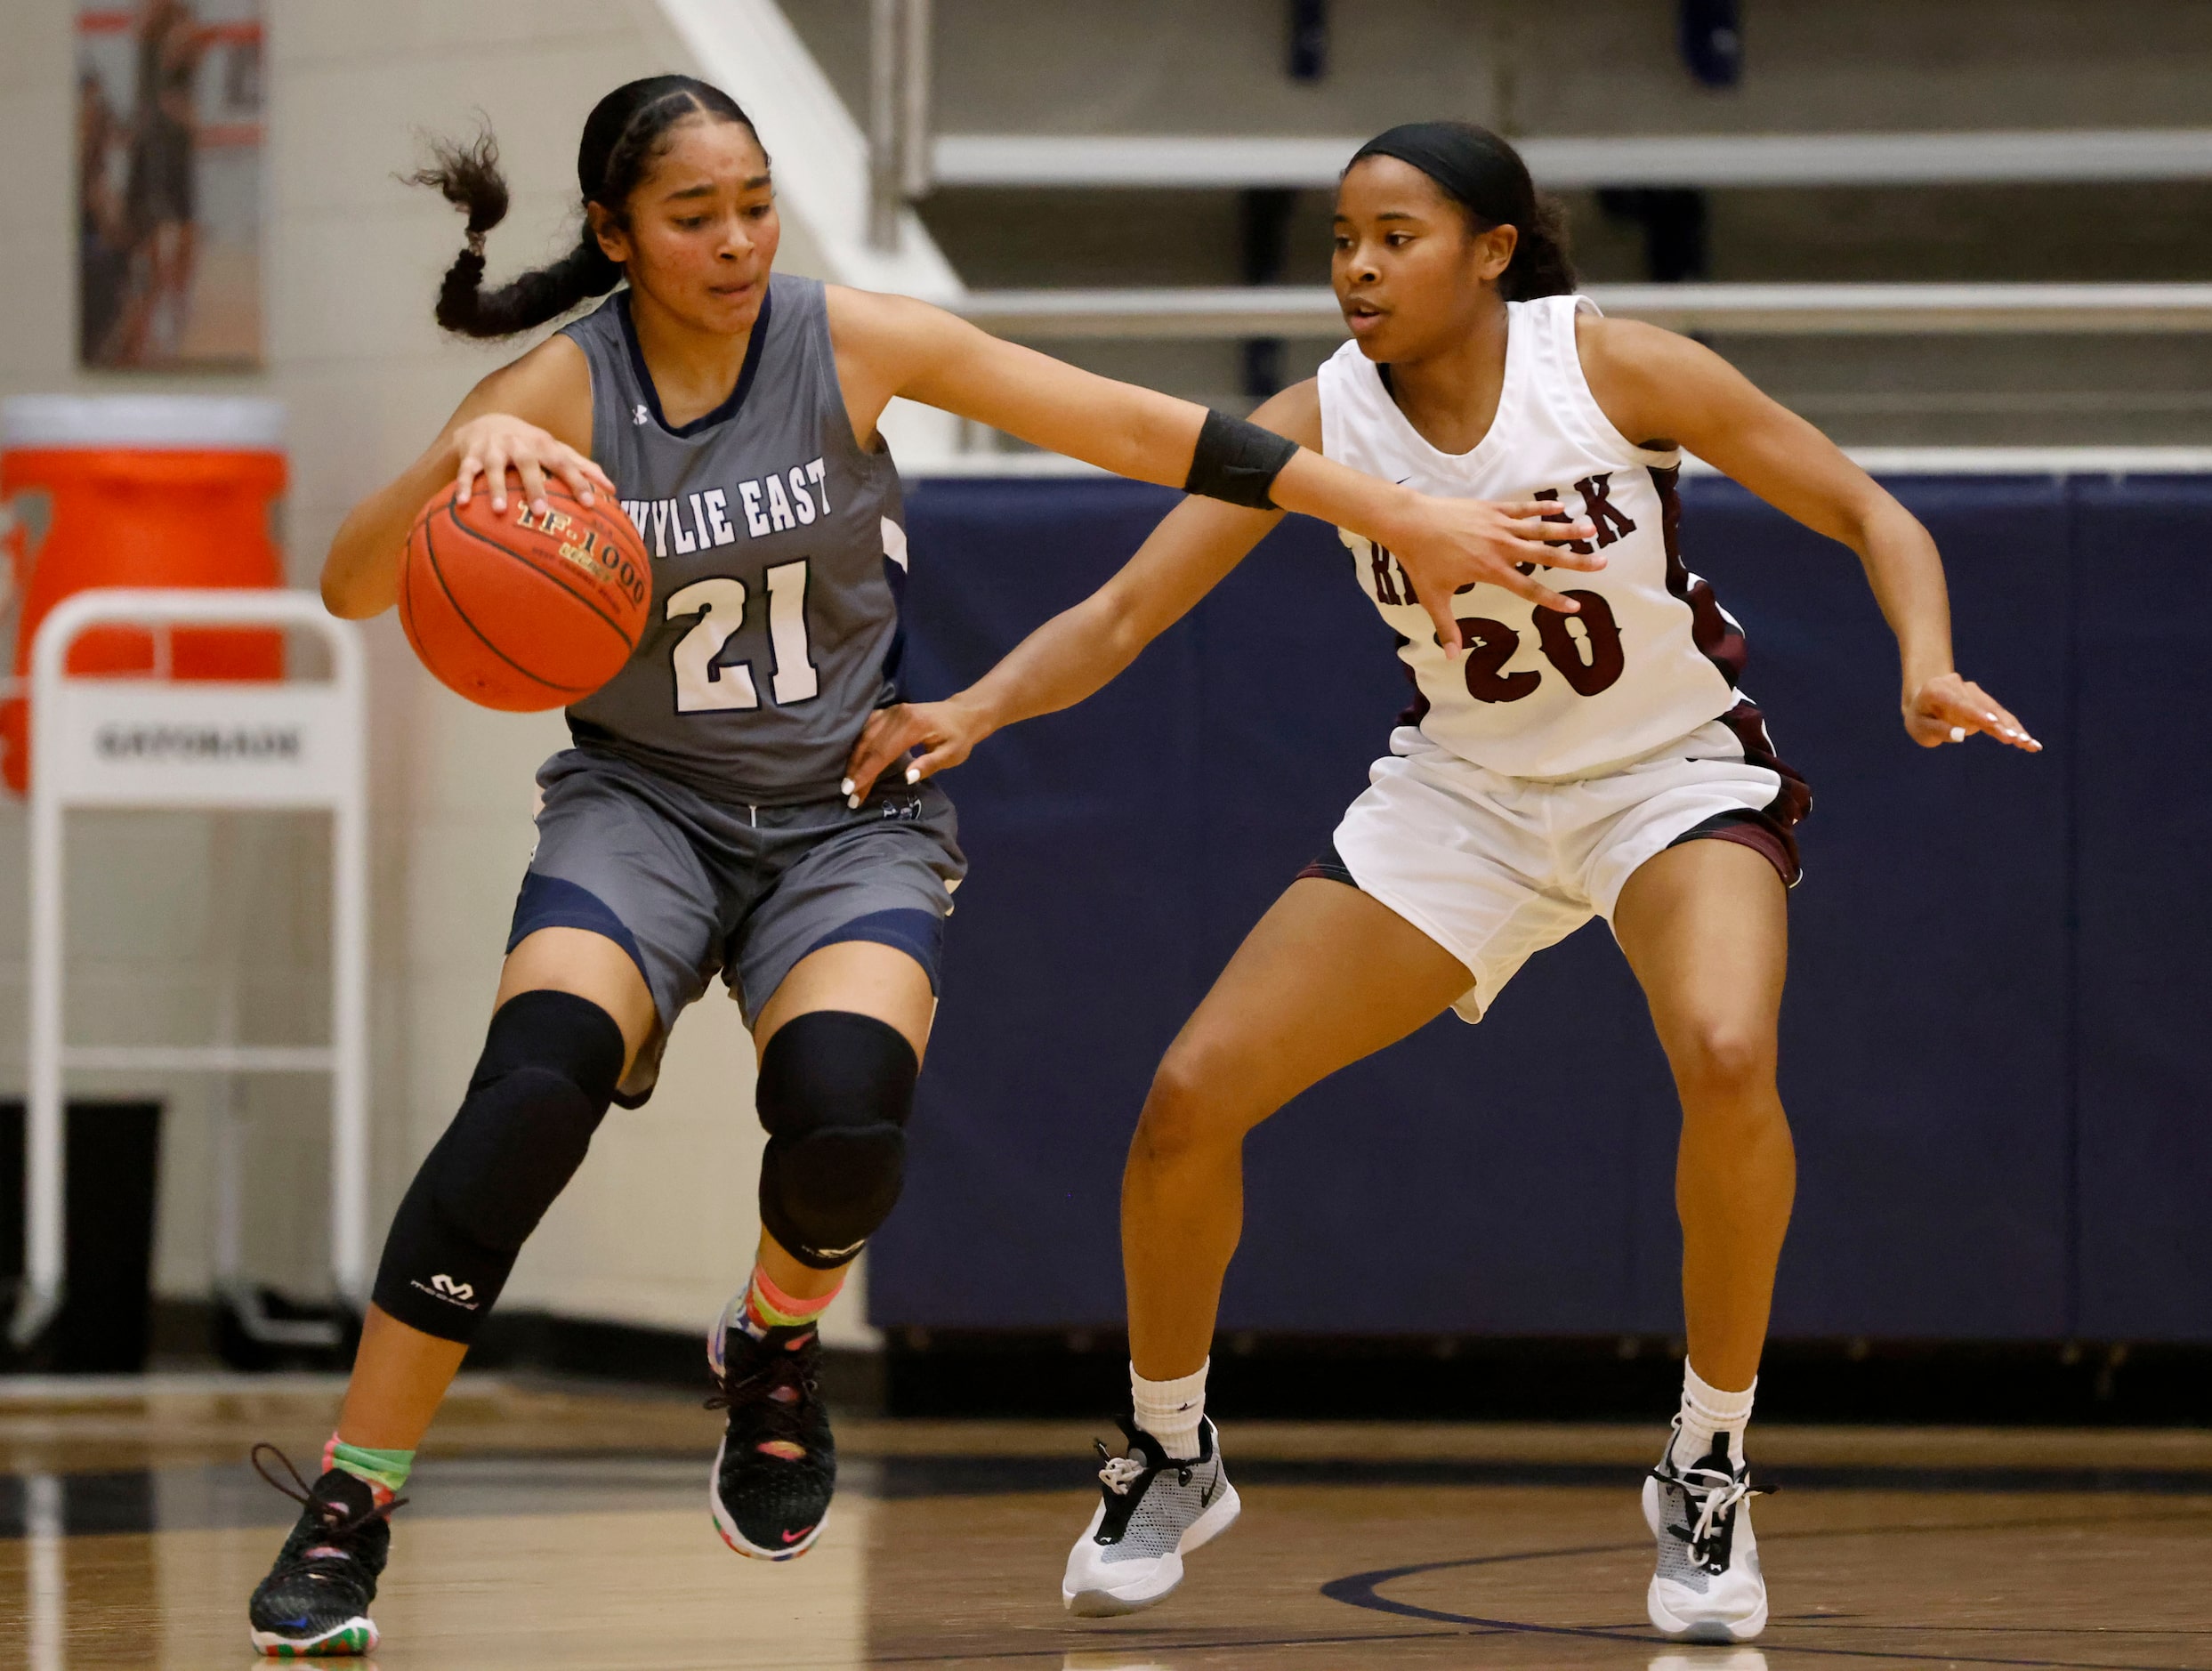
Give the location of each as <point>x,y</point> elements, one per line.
<point>773,537</point>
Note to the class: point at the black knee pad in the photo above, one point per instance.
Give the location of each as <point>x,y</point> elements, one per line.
<point>834,1091</point>
<point>548,1071</point>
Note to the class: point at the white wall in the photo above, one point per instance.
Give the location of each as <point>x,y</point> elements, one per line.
<point>659,1226</point>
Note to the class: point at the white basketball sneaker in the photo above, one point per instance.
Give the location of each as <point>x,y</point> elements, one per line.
<point>1152,1512</point>
<point>1707,1586</point>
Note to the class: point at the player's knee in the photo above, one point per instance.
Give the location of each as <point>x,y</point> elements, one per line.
<point>1192,1104</point>
<point>835,1092</point>
<point>548,1072</point>
<point>509,1152</point>
<point>1724,1061</point>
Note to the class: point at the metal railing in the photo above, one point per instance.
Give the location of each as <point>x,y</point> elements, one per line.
<point>1766,310</point>
<point>898,113</point>
<point>1878,461</point>
<point>1566,163</point>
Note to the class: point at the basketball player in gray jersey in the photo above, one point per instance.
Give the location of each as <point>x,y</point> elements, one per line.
<point>701,823</point>
<point>778,548</point>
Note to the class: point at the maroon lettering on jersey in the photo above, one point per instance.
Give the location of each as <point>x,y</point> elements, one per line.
<point>1385,589</point>
<point>1584,647</point>
<point>1611,520</point>
<point>1489,646</point>
<point>1581,548</point>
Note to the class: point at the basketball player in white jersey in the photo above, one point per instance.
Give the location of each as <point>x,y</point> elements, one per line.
<point>1573,751</point>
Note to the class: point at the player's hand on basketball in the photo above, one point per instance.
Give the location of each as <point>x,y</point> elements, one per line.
<point>1949,709</point>
<point>1449,545</point>
<point>490,446</point>
<point>947,732</point>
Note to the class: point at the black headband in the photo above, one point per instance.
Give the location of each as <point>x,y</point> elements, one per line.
<point>1469,164</point>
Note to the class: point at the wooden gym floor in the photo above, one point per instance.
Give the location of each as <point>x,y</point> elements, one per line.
<point>555,1527</point>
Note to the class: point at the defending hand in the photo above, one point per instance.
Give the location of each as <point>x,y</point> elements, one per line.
<point>1949,709</point>
<point>948,731</point>
<point>1447,545</point>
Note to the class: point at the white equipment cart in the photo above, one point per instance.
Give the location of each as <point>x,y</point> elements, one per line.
<point>157,743</point>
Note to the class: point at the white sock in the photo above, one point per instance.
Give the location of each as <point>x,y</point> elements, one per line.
<point>1707,1413</point>
<point>1171,1410</point>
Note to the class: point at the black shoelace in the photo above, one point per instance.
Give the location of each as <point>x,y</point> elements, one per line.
<point>757,1389</point>
<point>336,1522</point>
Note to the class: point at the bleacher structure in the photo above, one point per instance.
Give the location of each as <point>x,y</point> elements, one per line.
<point>905,160</point>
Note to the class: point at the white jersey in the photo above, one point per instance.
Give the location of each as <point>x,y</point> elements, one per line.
<point>1538,694</point>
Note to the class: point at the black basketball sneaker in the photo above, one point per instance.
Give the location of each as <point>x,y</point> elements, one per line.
<point>778,1462</point>
<point>315,1599</point>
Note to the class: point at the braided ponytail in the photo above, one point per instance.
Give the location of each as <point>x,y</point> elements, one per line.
<point>624,137</point>
<point>467,176</point>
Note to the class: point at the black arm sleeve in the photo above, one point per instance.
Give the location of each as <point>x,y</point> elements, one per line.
<point>1237,462</point>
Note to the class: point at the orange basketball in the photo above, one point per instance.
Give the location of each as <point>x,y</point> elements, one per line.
<point>519,611</point>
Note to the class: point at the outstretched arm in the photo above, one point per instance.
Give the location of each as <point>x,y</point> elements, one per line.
<point>894,346</point>
<point>1651,383</point>
<point>1076,653</point>
<point>1081,649</point>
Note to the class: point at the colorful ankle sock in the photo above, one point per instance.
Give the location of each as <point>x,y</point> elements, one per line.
<point>1708,1414</point>
<point>383,1472</point>
<point>1171,1410</point>
<point>767,1306</point>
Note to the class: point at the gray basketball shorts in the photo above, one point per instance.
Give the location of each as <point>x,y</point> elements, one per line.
<point>692,887</point>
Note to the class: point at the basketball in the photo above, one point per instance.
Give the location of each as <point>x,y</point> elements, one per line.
<point>519,611</point>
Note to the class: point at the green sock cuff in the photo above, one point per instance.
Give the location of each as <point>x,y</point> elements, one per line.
<point>387,1468</point>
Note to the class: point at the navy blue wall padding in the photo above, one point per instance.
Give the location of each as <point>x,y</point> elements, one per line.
<point>1994,1037</point>
<point>2142,600</point>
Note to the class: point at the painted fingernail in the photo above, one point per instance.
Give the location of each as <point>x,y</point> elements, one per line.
<point>846,787</point>
<point>853,800</point>
<point>914,774</point>
<point>1958,734</point>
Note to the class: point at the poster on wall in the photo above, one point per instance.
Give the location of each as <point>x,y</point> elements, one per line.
<point>169,183</point>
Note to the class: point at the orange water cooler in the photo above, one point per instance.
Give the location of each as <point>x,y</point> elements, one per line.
<point>138,490</point>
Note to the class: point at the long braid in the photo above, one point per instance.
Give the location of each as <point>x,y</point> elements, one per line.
<point>625,135</point>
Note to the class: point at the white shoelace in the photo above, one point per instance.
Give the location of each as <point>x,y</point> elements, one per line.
<point>1714,1499</point>
<point>1121,1472</point>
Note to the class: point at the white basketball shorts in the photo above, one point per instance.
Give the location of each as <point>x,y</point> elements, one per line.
<point>1494,868</point>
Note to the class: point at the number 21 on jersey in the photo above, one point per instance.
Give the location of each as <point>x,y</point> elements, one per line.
<point>704,687</point>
